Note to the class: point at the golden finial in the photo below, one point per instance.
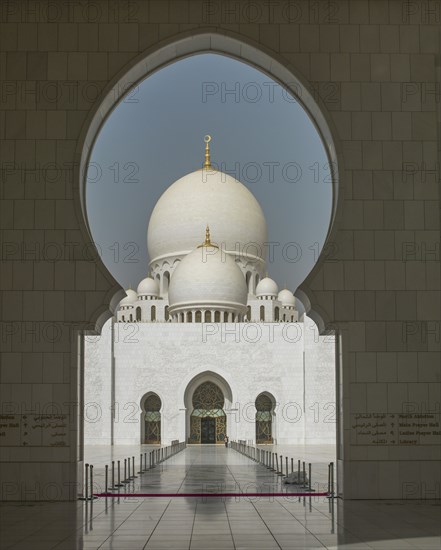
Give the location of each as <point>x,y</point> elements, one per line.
<point>207,163</point>
<point>207,241</point>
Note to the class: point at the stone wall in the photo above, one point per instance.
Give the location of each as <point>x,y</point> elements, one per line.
<point>372,68</point>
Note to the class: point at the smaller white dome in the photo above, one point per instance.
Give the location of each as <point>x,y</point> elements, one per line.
<point>208,278</point>
<point>130,299</point>
<point>267,287</point>
<point>148,287</point>
<point>286,297</point>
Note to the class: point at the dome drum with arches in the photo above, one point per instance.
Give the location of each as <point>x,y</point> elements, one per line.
<point>208,279</point>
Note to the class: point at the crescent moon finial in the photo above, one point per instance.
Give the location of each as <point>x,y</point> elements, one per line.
<point>207,163</point>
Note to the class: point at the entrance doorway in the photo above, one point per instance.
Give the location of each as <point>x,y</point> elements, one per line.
<point>208,422</point>
<point>208,430</point>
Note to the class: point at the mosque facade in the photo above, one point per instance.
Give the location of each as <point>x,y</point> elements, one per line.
<point>208,346</point>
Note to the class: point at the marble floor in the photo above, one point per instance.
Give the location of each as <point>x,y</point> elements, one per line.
<point>217,523</point>
<point>208,469</point>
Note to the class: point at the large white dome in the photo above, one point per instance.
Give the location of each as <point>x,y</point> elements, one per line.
<point>207,278</point>
<point>201,197</point>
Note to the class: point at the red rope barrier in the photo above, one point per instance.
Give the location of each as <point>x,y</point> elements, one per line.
<point>168,495</point>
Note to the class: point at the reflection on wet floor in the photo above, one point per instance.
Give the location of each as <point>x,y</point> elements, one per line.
<point>217,523</point>
<point>210,469</point>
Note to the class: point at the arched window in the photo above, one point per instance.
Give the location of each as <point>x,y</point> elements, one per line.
<point>152,419</point>
<point>153,313</point>
<point>182,317</point>
<point>189,317</point>
<point>276,313</point>
<point>257,278</point>
<point>248,280</point>
<point>225,317</point>
<point>138,314</point>
<point>131,318</point>
<point>264,419</point>
<point>249,313</point>
<point>262,313</point>
<point>165,281</point>
<point>217,316</point>
<point>208,316</point>
<point>166,315</point>
<point>198,317</point>
<point>123,318</point>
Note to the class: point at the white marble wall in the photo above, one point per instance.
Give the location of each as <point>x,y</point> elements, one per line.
<point>249,357</point>
<point>320,399</point>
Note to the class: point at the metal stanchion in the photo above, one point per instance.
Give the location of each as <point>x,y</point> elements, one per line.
<point>86,483</point>
<point>286,465</point>
<point>113,476</point>
<point>129,477</point>
<point>133,468</point>
<point>280,472</point>
<point>92,497</point>
<point>125,480</point>
<point>298,472</point>
<point>292,465</point>
<point>145,463</point>
<point>332,479</point>
<point>141,471</point>
<point>304,474</point>
<point>309,475</point>
<point>119,484</point>
<point>106,482</point>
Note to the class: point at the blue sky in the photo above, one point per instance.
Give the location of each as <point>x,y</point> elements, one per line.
<point>261,136</point>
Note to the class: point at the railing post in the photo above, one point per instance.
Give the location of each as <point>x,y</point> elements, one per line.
<point>113,476</point>
<point>125,472</point>
<point>119,484</point>
<point>91,481</point>
<point>281,466</point>
<point>86,484</point>
<point>332,479</point>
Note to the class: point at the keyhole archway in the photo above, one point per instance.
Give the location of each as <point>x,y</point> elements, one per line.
<point>227,44</point>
